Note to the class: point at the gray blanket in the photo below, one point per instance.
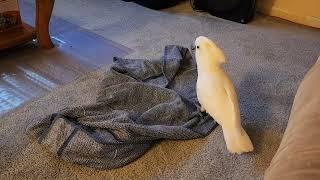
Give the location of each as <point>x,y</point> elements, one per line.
<point>140,103</point>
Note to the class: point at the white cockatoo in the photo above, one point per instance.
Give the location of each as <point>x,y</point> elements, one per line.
<point>217,96</point>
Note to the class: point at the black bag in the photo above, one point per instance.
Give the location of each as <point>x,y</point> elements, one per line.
<point>241,11</point>
<point>156,4</point>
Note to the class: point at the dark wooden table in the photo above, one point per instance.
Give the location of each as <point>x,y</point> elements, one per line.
<point>25,32</point>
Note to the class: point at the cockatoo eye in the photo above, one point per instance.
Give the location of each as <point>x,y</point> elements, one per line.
<point>198,47</point>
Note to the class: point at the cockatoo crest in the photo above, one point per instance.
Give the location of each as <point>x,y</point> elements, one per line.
<point>209,51</point>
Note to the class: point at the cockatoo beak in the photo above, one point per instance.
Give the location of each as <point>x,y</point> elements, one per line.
<point>193,47</point>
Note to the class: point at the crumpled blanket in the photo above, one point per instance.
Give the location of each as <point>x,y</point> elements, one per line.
<point>140,103</point>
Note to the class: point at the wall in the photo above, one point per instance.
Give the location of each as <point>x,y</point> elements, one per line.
<point>305,12</point>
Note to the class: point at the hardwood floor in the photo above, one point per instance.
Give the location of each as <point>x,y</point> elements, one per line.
<point>28,71</point>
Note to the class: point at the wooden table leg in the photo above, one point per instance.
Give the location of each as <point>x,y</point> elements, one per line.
<point>43,15</point>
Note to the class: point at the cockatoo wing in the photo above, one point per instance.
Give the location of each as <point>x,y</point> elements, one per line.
<point>233,104</point>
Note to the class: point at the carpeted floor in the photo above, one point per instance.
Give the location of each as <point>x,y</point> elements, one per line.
<point>266,59</point>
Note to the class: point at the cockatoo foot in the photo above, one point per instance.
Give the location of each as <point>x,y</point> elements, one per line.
<point>239,150</point>
<point>202,109</point>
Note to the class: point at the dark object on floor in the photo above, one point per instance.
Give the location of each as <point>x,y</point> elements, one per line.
<point>140,103</point>
<point>241,11</point>
<point>156,4</point>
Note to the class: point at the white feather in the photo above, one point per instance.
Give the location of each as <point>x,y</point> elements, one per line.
<point>217,95</point>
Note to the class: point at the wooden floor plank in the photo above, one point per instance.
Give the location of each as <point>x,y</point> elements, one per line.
<point>28,71</point>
